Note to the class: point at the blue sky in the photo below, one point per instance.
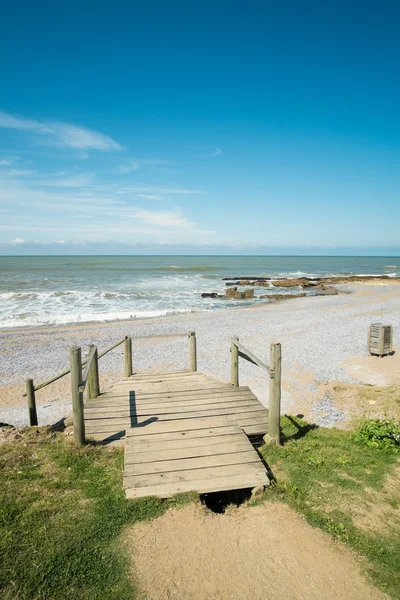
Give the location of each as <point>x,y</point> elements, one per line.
<point>212,127</point>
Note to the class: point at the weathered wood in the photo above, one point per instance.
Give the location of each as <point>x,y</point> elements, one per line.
<point>89,383</point>
<point>202,486</point>
<point>77,396</point>
<point>142,416</point>
<point>195,474</point>
<point>128,356</point>
<point>94,374</point>
<point>111,412</point>
<point>234,364</point>
<point>181,435</point>
<point>30,393</point>
<point>249,356</point>
<point>107,350</point>
<point>93,382</point>
<point>380,339</point>
<point>84,378</point>
<point>274,429</point>
<point>192,351</point>
<point>168,466</point>
<point>185,449</point>
<point>67,371</point>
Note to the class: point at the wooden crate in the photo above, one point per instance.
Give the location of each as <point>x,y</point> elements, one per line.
<point>380,339</point>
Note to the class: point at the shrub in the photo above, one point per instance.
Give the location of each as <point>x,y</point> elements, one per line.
<point>382,435</point>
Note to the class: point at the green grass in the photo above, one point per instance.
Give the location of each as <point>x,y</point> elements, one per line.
<point>346,487</point>
<point>62,509</point>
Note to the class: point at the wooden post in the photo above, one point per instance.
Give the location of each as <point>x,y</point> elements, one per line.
<point>93,384</point>
<point>274,430</point>
<point>234,364</point>
<point>89,383</point>
<point>77,396</point>
<point>30,394</point>
<point>128,356</point>
<point>192,351</point>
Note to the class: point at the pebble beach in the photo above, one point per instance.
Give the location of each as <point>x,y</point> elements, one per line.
<point>323,340</point>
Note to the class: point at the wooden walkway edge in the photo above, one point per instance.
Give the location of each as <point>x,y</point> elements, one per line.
<point>182,431</point>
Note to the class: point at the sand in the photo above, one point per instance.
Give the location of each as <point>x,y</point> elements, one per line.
<point>323,340</point>
<point>266,552</point>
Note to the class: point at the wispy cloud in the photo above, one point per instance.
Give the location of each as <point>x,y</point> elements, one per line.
<point>130,166</point>
<point>217,152</point>
<point>17,172</point>
<point>17,241</point>
<point>63,134</point>
<point>163,190</point>
<point>76,181</point>
<point>149,197</point>
<point>4,162</point>
<point>164,218</point>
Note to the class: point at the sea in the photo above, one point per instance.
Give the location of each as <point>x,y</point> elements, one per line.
<point>53,290</point>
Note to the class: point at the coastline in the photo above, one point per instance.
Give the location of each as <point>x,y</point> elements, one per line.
<point>314,351</point>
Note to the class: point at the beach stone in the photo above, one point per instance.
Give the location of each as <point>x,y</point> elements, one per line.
<point>230,293</point>
<point>257,491</point>
<point>249,293</point>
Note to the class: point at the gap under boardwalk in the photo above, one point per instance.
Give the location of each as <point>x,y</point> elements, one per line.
<point>182,432</point>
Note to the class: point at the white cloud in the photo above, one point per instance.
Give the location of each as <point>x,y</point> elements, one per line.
<point>18,172</point>
<point>17,241</point>
<point>132,165</point>
<point>4,162</point>
<point>216,152</point>
<point>162,190</point>
<point>149,197</point>
<point>155,161</point>
<point>163,218</point>
<point>62,134</point>
<point>76,181</point>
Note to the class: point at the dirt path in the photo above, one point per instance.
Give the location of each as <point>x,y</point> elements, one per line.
<point>267,552</point>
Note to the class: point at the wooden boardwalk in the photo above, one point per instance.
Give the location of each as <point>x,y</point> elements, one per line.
<point>182,432</point>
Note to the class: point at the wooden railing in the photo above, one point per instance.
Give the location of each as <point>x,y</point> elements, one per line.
<point>88,380</point>
<point>274,370</point>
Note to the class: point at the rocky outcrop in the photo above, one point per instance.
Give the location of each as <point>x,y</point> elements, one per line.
<point>231,294</point>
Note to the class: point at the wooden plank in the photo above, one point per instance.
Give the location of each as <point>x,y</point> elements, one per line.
<point>174,405</point>
<point>196,434</point>
<point>195,474</point>
<point>144,411</point>
<point>103,425</point>
<point>242,415</point>
<point>165,452</point>
<point>203,486</point>
<point>193,463</point>
<point>209,393</point>
<point>181,425</point>
<point>169,399</point>
<point>260,429</point>
<point>171,396</point>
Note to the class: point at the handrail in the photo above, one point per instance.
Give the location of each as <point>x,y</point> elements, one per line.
<point>89,380</point>
<point>85,374</point>
<point>66,371</point>
<point>110,348</point>
<point>249,356</point>
<point>274,372</point>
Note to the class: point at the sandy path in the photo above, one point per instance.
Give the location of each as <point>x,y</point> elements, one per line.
<point>267,552</point>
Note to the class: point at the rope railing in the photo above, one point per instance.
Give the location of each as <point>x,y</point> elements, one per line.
<point>274,369</point>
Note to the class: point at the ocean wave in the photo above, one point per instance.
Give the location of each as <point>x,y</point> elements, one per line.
<point>183,268</point>
<point>45,320</point>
